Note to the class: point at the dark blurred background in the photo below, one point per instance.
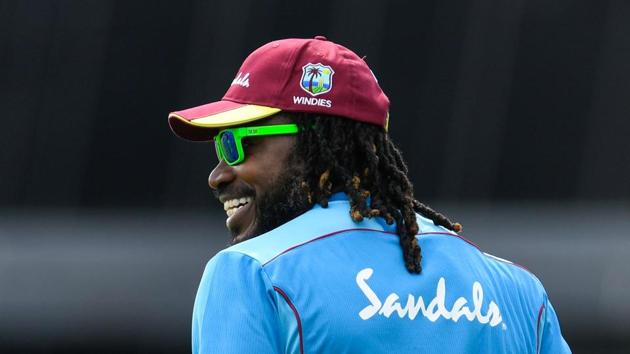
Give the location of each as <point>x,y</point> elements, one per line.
<point>512,115</point>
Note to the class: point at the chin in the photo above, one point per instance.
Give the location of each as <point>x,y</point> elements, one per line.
<point>238,237</point>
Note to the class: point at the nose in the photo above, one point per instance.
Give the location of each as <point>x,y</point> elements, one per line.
<point>221,175</point>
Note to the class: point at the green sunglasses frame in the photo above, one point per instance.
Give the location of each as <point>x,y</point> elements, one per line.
<point>244,132</point>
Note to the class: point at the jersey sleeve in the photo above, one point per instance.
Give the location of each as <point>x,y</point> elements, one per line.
<point>550,337</point>
<point>234,310</point>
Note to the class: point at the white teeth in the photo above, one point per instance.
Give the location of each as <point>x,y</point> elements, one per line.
<point>232,205</point>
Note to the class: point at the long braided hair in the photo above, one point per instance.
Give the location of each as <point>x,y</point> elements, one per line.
<point>343,155</point>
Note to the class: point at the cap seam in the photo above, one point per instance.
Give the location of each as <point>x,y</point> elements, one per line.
<point>353,80</point>
<point>289,69</point>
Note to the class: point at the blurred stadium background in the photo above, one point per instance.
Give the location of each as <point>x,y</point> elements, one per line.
<point>513,116</point>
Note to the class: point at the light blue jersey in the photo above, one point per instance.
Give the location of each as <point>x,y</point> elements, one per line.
<point>322,283</point>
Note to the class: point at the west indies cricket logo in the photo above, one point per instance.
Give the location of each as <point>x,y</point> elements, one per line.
<point>316,78</point>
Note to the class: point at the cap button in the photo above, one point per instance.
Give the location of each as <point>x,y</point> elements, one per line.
<point>321,38</point>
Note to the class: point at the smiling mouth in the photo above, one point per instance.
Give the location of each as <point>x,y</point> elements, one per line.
<point>232,206</point>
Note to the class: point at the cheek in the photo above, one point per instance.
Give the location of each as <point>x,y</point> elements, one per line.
<point>267,162</point>
<point>277,156</point>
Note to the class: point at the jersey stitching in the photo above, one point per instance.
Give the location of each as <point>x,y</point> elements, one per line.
<point>505,261</point>
<point>267,280</point>
<point>540,312</point>
<point>487,255</point>
<point>319,238</point>
<point>393,233</point>
<point>296,313</point>
<point>356,229</point>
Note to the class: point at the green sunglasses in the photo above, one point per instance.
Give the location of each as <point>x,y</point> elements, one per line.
<point>228,142</point>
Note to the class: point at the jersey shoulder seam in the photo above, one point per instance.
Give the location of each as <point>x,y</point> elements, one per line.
<point>486,254</point>
<point>268,280</point>
<point>320,237</point>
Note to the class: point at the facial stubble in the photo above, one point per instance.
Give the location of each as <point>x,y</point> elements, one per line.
<point>285,201</point>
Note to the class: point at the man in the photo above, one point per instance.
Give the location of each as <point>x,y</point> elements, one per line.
<point>320,210</point>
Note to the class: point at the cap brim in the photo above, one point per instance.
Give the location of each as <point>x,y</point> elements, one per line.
<point>203,122</point>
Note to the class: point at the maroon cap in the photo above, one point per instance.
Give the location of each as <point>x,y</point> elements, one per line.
<point>292,75</point>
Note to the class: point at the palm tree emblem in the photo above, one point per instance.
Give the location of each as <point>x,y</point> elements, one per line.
<point>314,72</point>
<point>316,78</point>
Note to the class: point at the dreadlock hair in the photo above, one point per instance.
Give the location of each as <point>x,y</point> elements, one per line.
<point>342,155</point>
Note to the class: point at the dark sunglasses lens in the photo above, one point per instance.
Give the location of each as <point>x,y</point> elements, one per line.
<point>229,146</point>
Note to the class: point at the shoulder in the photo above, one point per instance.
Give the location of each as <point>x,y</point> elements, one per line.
<point>316,224</point>
<point>460,247</point>
<point>426,226</point>
<point>229,269</point>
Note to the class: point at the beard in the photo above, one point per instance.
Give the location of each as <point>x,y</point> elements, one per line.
<point>285,202</point>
